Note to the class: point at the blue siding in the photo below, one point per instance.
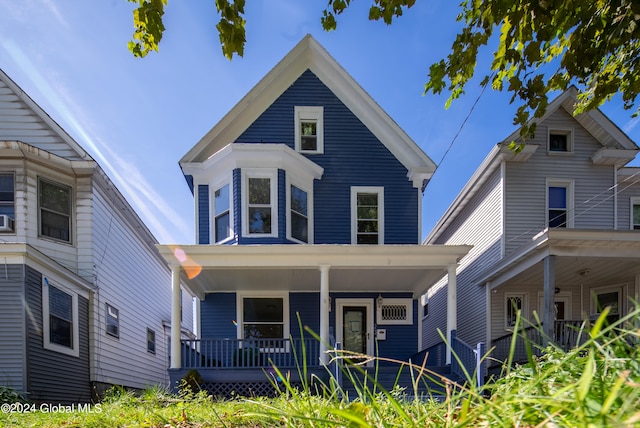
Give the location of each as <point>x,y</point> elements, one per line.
<point>308,306</point>
<point>203,214</point>
<point>353,156</point>
<point>217,313</point>
<point>189,179</point>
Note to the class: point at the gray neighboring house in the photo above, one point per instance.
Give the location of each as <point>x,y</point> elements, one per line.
<point>85,300</point>
<point>555,229</point>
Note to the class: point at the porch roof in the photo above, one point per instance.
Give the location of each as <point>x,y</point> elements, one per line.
<point>377,268</point>
<point>585,255</point>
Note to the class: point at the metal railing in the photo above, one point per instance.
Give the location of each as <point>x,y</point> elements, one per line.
<point>250,353</point>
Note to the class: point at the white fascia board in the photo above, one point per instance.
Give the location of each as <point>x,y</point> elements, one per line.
<point>309,54</point>
<point>481,174</point>
<point>253,155</point>
<point>617,157</point>
<point>313,256</point>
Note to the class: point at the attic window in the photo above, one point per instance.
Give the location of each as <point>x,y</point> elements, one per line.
<point>560,141</point>
<point>309,130</point>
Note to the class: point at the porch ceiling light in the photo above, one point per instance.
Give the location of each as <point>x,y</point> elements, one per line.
<point>380,300</point>
<point>584,272</point>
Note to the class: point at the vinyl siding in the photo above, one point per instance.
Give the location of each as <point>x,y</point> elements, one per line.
<point>204,218</point>
<point>218,311</point>
<point>131,277</point>
<point>12,333</point>
<point>52,376</point>
<point>479,224</point>
<point>525,184</point>
<point>628,187</point>
<point>352,156</point>
<point>19,123</point>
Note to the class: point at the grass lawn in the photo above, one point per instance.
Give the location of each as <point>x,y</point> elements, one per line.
<point>595,385</point>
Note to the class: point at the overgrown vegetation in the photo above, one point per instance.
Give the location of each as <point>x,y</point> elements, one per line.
<point>597,384</point>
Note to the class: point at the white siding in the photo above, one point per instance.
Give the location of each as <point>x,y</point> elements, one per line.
<point>628,187</point>
<point>132,278</point>
<point>525,184</point>
<point>479,224</point>
<point>18,122</point>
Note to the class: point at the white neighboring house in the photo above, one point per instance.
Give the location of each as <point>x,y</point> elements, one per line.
<point>554,229</point>
<point>85,300</point>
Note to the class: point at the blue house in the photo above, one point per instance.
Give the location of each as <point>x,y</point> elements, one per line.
<point>308,204</point>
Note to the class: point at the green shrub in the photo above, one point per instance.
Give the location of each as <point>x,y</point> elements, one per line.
<point>9,396</point>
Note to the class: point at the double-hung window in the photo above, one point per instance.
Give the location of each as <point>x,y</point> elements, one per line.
<point>299,224</point>
<point>222,213</point>
<point>55,210</point>
<point>259,189</point>
<point>112,318</point>
<point>151,341</point>
<point>264,317</point>
<point>7,202</point>
<point>367,215</point>
<point>60,319</point>
<point>309,129</point>
<point>635,213</point>
<point>559,203</point>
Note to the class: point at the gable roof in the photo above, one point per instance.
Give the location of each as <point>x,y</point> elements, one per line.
<point>17,105</point>
<point>616,145</point>
<point>308,54</point>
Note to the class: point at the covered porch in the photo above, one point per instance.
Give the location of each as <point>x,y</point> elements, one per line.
<point>317,281</point>
<point>560,283</point>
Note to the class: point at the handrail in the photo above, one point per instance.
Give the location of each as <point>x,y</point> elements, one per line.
<point>468,357</point>
<point>249,353</point>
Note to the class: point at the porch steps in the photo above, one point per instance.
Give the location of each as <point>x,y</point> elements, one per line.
<point>430,385</point>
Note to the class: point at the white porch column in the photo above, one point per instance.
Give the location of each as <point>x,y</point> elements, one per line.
<point>549,291</point>
<point>452,307</point>
<point>324,314</point>
<point>176,358</point>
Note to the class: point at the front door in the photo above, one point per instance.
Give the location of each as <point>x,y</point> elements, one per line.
<point>354,325</point>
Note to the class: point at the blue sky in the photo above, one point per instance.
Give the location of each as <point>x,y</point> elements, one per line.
<point>137,117</point>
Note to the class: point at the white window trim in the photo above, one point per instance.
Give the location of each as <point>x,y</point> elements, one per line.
<point>272,174</point>
<point>594,291</point>
<point>74,351</point>
<point>309,113</point>
<point>354,211</point>
<point>562,296</point>
<point>407,302</point>
<point>635,200</point>
<point>569,132</point>
<point>309,189</point>
<point>286,328</point>
<point>524,311</point>
<point>569,185</point>
<point>71,211</point>
<point>212,211</point>
<point>108,306</point>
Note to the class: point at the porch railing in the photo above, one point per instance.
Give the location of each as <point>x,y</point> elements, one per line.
<point>567,334</point>
<point>250,353</point>
<point>468,359</point>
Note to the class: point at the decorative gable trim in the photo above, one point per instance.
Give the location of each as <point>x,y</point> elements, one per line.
<point>309,55</point>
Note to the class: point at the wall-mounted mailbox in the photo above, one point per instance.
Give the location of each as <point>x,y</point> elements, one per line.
<point>381,334</point>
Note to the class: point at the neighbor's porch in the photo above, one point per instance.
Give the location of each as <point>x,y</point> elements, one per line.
<point>559,285</point>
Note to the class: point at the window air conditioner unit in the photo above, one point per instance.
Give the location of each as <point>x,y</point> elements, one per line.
<point>6,223</point>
